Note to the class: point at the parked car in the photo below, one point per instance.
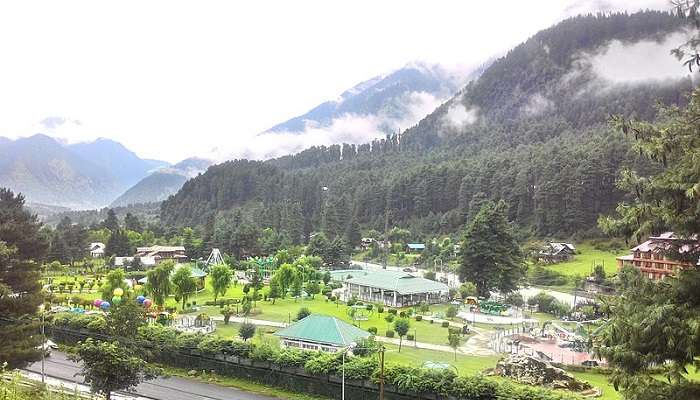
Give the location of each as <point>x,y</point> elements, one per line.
<point>408,269</point>
<point>590,363</point>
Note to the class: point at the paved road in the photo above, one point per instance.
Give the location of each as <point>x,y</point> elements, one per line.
<point>174,388</point>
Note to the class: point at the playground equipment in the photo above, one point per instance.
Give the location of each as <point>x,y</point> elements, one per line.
<point>214,258</point>
<point>492,308</point>
<point>489,307</point>
<point>265,266</point>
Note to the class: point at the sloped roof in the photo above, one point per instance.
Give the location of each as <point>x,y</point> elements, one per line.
<point>401,282</point>
<point>323,329</point>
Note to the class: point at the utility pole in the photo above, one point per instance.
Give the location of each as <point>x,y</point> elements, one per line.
<point>43,346</point>
<point>381,372</point>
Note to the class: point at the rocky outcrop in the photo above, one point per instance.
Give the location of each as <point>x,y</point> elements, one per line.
<point>529,370</point>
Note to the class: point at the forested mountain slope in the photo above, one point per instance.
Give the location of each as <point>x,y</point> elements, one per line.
<point>531,130</point>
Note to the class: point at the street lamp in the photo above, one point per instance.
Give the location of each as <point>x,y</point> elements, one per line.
<point>350,347</point>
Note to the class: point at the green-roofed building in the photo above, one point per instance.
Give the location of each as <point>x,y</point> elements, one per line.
<point>320,333</point>
<point>395,289</point>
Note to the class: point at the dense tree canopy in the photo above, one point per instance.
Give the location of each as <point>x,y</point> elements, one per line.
<point>491,257</point>
<point>21,246</point>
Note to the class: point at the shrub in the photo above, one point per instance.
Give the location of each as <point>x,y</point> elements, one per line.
<point>380,308</point>
<point>390,333</point>
<point>321,364</point>
<point>445,324</point>
<point>372,330</point>
<point>246,331</point>
<point>432,321</point>
<point>303,313</point>
<point>292,357</point>
<point>238,348</point>
<point>410,337</point>
<point>392,311</point>
<point>402,314</point>
<point>419,317</point>
<point>360,367</point>
<point>451,312</point>
<point>264,352</point>
<point>368,307</point>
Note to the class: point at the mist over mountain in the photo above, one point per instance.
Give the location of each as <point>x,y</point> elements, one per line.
<point>162,183</point>
<point>531,130</point>
<point>380,106</point>
<point>53,175</point>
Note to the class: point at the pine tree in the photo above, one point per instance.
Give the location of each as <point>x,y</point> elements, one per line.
<point>132,223</point>
<point>111,222</point>
<point>491,257</point>
<point>21,246</point>
<point>118,244</point>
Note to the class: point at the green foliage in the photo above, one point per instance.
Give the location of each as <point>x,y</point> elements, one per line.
<point>451,312</point>
<point>303,313</point>
<point>322,364</point>
<point>246,331</point>
<point>165,342</point>
<point>108,367</point>
<point>158,284</point>
<point>401,326</point>
<point>21,246</point>
<point>491,257</point>
<point>184,285</point>
<point>125,319</point>
<point>221,277</point>
<point>113,280</point>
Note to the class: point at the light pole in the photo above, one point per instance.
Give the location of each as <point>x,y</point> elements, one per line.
<point>350,347</point>
<point>43,343</point>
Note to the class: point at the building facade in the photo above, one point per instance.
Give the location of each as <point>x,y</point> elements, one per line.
<point>162,253</point>
<point>652,259</point>
<point>395,289</point>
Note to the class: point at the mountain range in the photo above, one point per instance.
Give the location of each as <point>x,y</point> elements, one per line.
<point>54,176</point>
<point>103,172</point>
<point>531,130</point>
<point>394,99</point>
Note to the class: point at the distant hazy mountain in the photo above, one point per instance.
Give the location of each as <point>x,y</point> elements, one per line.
<point>126,166</point>
<point>162,183</point>
<point>47,172</point>
<point>397,98</point>
<point>79,176</point>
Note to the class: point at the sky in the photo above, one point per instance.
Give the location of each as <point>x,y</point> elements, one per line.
<point>173,79</point>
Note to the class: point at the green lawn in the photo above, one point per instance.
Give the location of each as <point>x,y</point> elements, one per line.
<point>583,263</point>
<point>600,381</point>
<point>412,356</point>
<point>285,310</point>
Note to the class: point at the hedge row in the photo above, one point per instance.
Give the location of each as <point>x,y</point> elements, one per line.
<point>164,343</point>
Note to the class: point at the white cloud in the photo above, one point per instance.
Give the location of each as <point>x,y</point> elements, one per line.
<point>176,78</point>
<point>348,128</point>
<point>458,116</point>
<point>537,104</point>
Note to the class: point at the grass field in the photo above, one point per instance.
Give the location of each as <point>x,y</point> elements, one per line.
<point>285,310</point>
<point>583,263</point>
